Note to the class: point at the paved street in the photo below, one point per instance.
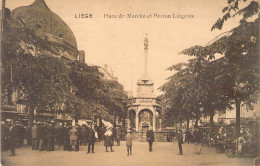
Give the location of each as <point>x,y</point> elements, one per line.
<point>164,154</point>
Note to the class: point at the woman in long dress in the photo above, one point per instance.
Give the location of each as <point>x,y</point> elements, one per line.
<point>108,139</point>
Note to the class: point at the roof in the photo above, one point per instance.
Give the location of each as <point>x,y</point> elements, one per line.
<point>38,15</point>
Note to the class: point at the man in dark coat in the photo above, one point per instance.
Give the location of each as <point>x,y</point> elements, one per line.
<point>91,139</point>
<point>150,138</point>
<point>180,141</point>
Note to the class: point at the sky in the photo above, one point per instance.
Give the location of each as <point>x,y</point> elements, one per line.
<point>119,42</point>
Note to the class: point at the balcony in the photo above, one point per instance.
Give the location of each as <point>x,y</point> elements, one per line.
<point>144,100</point>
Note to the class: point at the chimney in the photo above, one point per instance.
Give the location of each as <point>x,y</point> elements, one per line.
<point>82,56</point>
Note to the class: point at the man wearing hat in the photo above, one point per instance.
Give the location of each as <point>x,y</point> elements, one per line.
<point>129,139</point>
<point>150,138</point>
<point>91,139</point>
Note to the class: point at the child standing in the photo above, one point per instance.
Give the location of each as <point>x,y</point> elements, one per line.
<point>129,139</point>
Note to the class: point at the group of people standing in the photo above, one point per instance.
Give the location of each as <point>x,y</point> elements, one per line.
<point>12,135</point>
<point>46,135</point>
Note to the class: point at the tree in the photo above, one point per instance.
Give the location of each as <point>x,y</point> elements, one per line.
<point>115,98</point>
<point>33,65</point>
<point>30,68</point>
<point>240,47</point>
<point>181,95</point>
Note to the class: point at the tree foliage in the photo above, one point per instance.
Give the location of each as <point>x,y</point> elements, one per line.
<point>217,84</point>
<point>32,65</point>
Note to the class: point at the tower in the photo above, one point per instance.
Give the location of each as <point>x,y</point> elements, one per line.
<point>145,84</point>
<point>144,111</point>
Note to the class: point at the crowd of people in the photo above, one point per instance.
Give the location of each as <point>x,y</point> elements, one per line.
<point>45,136</point>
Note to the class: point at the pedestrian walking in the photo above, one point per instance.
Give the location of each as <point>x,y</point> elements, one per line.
<point>92,135</point>
<point>150,138</point>
<point>129,139</point>
<point>73,137</point>
<point>108,139</point>
<point>180,141</point>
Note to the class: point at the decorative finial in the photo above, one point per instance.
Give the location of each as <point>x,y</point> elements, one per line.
<point>146,41</point>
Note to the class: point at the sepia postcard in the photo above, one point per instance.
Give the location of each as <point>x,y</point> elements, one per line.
<point>130,82</point>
